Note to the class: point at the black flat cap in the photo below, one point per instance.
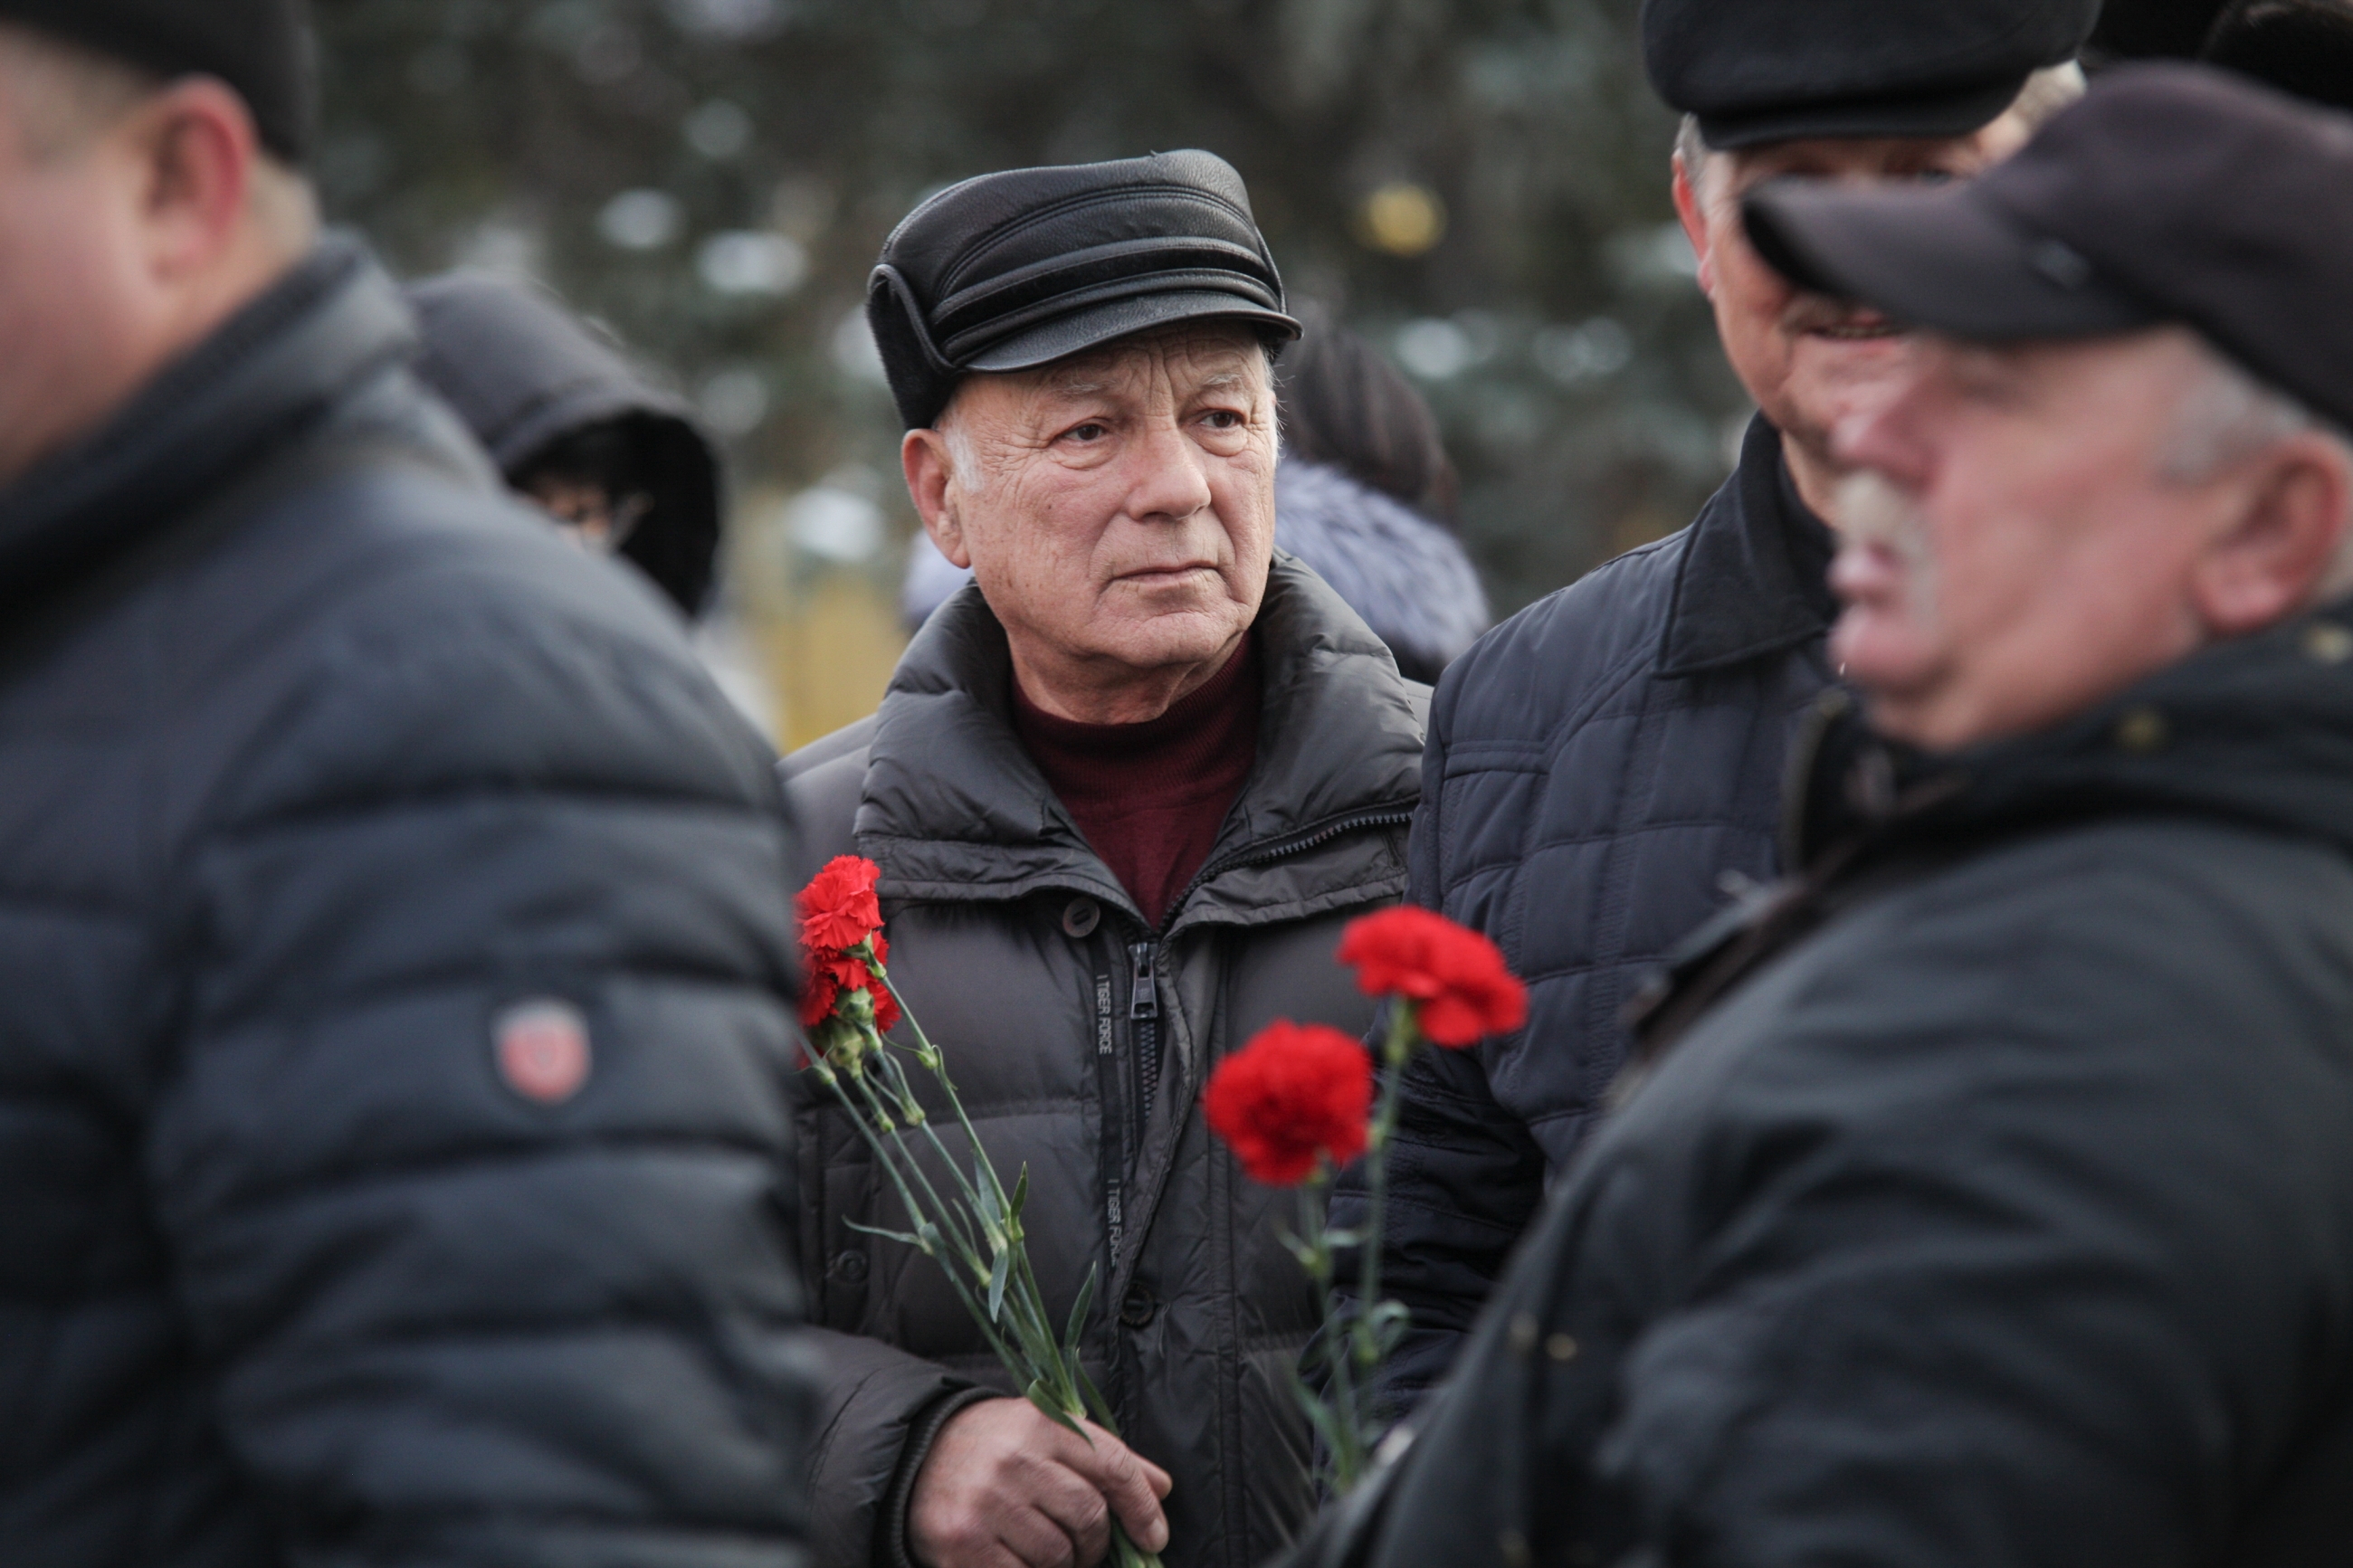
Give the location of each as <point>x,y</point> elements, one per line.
<point>2303,46</point>
<point>2173,192</point>
<point>1017,269</point>
<point>263,49</point>
<point>1778,71</point>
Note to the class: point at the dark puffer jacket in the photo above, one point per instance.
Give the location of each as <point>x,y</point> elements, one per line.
<point>1999,1210</point>
<point>317,758</point>
<point>1032,968</point>
<point>1603,768</point>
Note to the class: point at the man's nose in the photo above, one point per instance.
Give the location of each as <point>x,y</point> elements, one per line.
<point>1884,434</point>
<point>1170,477</point>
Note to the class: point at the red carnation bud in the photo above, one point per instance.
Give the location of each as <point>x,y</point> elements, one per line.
<point>1295,1093</point>
<point>1461,989</point>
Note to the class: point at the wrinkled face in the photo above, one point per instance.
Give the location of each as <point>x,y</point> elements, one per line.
<point>1808,361</point>
<point>1117,508</point>
<point>75,311</point>
<point>2013,549</point>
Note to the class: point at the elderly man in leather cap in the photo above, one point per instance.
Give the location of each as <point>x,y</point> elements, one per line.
<point>395,1016</point>
<point>1983,1194</point>
<point>1125,791</point>
<point>1606,767</point>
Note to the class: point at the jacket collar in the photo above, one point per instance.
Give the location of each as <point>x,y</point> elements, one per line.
<point>2257,731</point>
<point>1755,575</point>
<point>953,808</point>
<point>267,375</point>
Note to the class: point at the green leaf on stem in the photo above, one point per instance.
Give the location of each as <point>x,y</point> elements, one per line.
<point>1079,1314</point>
<point>901,1236</point>
<point>1097,1405</point>
<point>1320,1416</point>
<point>997,1276</point>
<point>1037,1395</point>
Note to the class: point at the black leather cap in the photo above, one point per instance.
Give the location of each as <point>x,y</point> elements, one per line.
<point>2303,46</point>
<point>1779,70</point>
<point>2173,192</point>
<point>263,49</point>
<point>1017,269</point>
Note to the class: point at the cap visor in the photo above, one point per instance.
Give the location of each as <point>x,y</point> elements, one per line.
<point>1939,256</point>
<point>1923,115</point>
<point>1114,318</point>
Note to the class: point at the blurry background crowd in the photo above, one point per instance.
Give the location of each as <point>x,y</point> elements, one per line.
<point>1478,186</point>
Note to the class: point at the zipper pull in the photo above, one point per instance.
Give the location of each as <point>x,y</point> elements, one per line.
<point>1143,997</point>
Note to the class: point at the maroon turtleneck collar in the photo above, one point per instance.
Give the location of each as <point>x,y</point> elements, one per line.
<point>1151,797</point>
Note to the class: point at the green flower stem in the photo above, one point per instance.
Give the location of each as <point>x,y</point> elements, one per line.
<point>1024,1301</point>
<point>1345,1428</point>
<point>1021,1333</point>
<point>936,1064</point>
<point>1024,1296</point>
<point>1398,1046</point>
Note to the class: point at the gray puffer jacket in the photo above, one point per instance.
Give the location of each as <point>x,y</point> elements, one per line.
<point>1035,972</point>
<point>325,771</point>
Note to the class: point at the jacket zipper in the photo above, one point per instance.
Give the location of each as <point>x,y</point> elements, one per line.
<point>1143,1027</point>
<point>1127,1094</point>
<point>1298,843</point>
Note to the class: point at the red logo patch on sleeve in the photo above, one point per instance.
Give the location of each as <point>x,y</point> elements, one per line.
<point>543,1050</point>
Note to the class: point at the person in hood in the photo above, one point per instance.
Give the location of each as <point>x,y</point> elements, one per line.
<point>1125,791</point>
<point>1359,496</point>
<point>1981,1193</point>
<point>1364,485</point>
<point>1606,767</point>
<point>396,979</point>
<point>620,464</point>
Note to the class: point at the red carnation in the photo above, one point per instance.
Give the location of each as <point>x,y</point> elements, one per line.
<point>830,974</point>
<point>1295,1092</point>
<point>838,909</point>
<point>886,1009</point>
<point>1457,980</point>
<point>820,993</point>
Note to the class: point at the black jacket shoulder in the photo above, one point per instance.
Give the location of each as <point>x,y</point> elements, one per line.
<point>336,794</point>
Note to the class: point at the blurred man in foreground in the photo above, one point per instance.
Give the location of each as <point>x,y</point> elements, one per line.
<point>1606,766</point>
<point>394,974</point>
<point>1124,792</point>
<point>1983,1194</point>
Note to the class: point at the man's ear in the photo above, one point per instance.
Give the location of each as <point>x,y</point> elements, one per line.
<point>931,484</point>
<point>200,153</point>
<point>2277,554</point>
<point>1693,214</point>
